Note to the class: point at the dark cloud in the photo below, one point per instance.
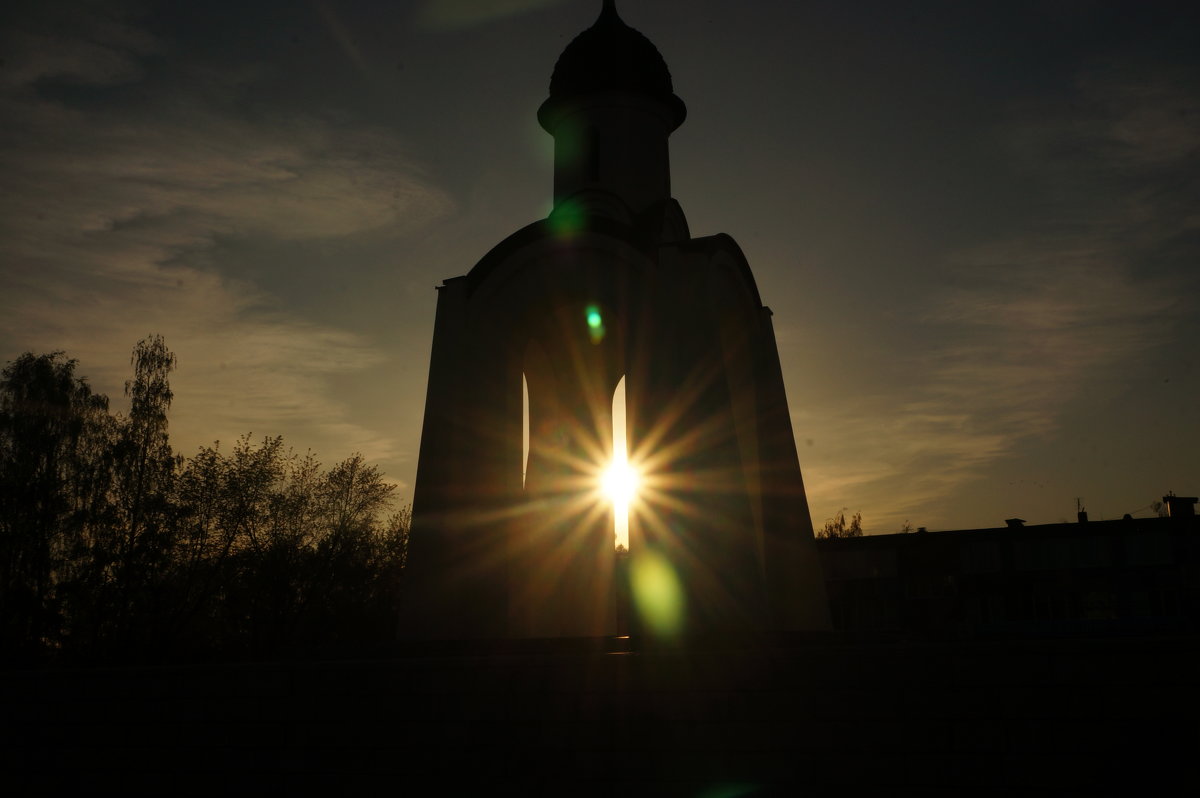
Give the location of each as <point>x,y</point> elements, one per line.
<point>108,213</point>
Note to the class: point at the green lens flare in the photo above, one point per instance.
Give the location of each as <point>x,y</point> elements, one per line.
<point>566,219</point>
<point>595,323</point>
<point>657,594</point>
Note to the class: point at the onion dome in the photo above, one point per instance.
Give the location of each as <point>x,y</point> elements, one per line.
<point>610,56</point>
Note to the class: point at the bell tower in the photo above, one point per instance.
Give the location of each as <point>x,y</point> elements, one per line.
<point>611,285</point>
<point>610,111</point>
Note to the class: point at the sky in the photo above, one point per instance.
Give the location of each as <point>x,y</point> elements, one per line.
<point>977,224</point>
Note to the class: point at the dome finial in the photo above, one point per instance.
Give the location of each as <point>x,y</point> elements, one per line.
<point>611,56</point>
<point>608,14</point>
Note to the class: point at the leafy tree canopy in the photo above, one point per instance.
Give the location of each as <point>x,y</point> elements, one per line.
<point>111,545</point>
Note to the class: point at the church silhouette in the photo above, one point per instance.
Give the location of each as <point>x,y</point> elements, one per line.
<point>611,286</point>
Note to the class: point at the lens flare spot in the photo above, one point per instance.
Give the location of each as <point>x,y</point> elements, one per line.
<point>566,219</point>
<point>595,323</point>
<point>657,594</point>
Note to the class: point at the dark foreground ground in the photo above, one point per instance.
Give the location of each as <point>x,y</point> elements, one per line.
<point>821,716</point>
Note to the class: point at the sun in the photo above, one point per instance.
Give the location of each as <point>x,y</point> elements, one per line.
<point>620,483</point>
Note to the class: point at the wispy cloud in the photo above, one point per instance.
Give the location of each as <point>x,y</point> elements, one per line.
<point>442,14</point>
<point>110,213</point>
<point>86,44</point>
<point>1022,326</point>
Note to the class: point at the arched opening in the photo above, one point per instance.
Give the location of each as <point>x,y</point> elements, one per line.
<point>621,477</point>
<point>617,478</point>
